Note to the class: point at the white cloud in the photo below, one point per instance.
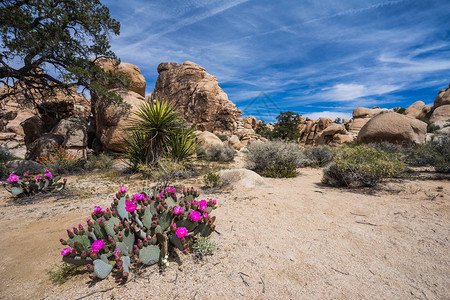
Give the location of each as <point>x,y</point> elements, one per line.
<point>352,91</point>
<point>328,114</point>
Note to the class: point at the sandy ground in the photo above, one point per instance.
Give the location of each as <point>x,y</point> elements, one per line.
<point>295,239</point>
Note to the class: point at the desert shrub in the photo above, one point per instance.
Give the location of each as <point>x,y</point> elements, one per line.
<point>61,161</point>
<point>362,166</point>
<point>30,185</point>
<point>275,158</point>
<point>217,153</point>
<point>431,127</point>
<point>63,273</point>
<point>212,180</point>
<point>222,137</point>
<point>204,246</point>
<point>102,161</point>
<point>165,171</point>
<point>139,228</point>
<point>263,130</point>
<point>436,154</point>
<point>320,155</point>
<point>158,131</point>
<point>399,110</point>
<point>388,147</point>
<point>5,156</point>
<point>347,126</point>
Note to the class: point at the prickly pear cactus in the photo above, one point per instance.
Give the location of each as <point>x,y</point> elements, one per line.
<point>30,185</point>
<point>138,229</point>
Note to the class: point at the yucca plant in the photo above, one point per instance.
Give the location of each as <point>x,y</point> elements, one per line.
<point>183,145</point>
<point>158,131</point>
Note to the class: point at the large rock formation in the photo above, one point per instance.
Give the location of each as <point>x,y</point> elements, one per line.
<point>27,122</point>
<point>130,71</point>
<point>197,95</point>
<point>443,98</point>
<point>417,110</point>
<point>362,115</point>
<point>441,115</point>
<point>394,128</point>
<point>112,118</point>
<point>323,131</point>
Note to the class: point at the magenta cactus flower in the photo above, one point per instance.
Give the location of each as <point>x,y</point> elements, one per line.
<point>202,205</point>
<point>195,216</point>
<point>178,210</point>
<point>48,175</point>
<point>123,189</point>
<point>66,251</point>
<point>130,206</point>
<point>3,183</point>
<point>38,177</point>
<point>181,232</point>
<point>97,210</point>
<point>12,178</point>
<point>138,197</point>
<point>97,246</point>
<point>170,190</point>
<point>205,216</point>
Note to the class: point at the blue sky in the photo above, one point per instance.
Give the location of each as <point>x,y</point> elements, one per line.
<point>316,58</point>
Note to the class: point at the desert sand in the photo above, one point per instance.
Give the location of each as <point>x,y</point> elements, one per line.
<point>294,239</point>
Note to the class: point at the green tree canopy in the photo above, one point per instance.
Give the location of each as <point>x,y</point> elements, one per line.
<point>287,126</point>
<point>47,45</point>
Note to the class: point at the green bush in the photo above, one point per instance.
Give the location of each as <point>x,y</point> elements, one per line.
<point>263,130</point>
<point>5,156</point>
<point>102,161</point>
<point>217,153</point>
<point>61,160</point>
<point>388,147</point>
<point>157,132</point>
<point>320,155</point>
<point>275,158</point>
<point>222,137</point>
<point>436,154</point>
<point>362,166</point>
<point>212,180</point>
<point>164,172</point>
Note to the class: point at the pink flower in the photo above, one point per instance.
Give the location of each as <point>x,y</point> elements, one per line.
<point>181,232</point>
<point>66,251</point>
<point>205,216</point>
<point>195,215</point>
<point>170,190</point>
<point>48,175</point>
<point>3,183</point>
<point>139,197</point>
<point>213,201</point>
<point>38,177</point>
<point>13,178</point>
<point>202,205</point>
<point>130,206</point>
<point>46,171</point>
<point>97,246</point>
<point>97,210</point>
<point>178,210</point>
<point>123,189</point>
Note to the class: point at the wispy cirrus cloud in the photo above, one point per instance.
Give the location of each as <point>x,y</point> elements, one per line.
<point>303,55</point>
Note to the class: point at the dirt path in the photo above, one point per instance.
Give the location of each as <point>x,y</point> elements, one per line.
<point>295,239</point>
